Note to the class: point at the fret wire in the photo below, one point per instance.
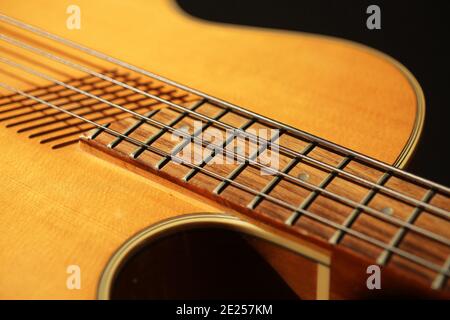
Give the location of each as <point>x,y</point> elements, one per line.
<point>298,181</point>
<point>63,144</point>
<point>212,154</point>
<point>360,180</point>
<point>61,136</point>
<point>218,101</point>
<point>274,182</point>
<point>219,189</point>
<point>77,125</point>
<point>97,131</point>
<point>407,255</point>
<point>314,194</point>
<point>384,190</point>
<point>439,281</point>
<point>400,234</point>
<point>337,236</point>
<point>99,118</point>
<point>136,153</point>
<point>186,141</point>
<point>80,131</point>
<point>131,129</point>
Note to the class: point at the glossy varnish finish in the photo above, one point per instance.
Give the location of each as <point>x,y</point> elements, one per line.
<point>384,218</point>
<point>62,206</point>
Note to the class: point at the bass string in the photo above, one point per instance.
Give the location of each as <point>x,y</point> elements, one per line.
<point>400,252</point>
<point>395,194</point>
<point>431,208</point>
<point>115,61</point>
<point>325,192</point>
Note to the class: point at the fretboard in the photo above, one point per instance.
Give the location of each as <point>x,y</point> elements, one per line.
<point>317,190</point>
<point>342,199</point>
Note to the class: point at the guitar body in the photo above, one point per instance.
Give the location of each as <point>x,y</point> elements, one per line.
<point>65,207</point>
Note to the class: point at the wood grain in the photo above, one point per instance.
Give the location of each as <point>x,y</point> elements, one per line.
<point>62,207</point>
<point>383,230</point>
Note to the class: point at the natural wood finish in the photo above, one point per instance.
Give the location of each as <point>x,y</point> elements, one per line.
<point>63,207</point>
<point>293,194</point>
<point>287,76</point>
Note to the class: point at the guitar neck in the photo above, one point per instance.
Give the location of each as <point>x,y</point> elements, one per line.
<point>276,174</point>
<point>293,182</point>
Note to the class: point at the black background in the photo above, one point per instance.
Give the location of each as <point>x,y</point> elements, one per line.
<point>413,32</point>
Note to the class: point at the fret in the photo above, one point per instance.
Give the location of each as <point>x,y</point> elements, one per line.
<point>194,171</point>
<point>400,234</point>
<point>238,197</point>
<point>186,140</point>
<point>440,279</point>
<point>131,129</point>
<point>274,214</point>
<point>78,128</point>
<point>95,133</point>
<point>337,236</point>
<point>273,183</point>
<point>314,194</point>
<point>138,151</point>
<point>233,174</point>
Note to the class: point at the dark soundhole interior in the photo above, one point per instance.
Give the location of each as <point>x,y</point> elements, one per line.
<point>199,264</point>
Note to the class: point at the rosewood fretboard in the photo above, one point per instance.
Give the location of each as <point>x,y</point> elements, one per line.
<point>320,192</point>
<point>383,216</point>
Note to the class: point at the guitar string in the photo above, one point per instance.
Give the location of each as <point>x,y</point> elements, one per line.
<point>108,58</point>
<point>336,197</point>
<point>332,168</point>
<point>400,252</point>
<point>417,203</point>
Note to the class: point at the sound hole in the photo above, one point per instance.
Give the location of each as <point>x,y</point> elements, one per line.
<point>199,264</point>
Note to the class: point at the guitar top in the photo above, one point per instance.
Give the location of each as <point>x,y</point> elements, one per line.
<point>295,141</point>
